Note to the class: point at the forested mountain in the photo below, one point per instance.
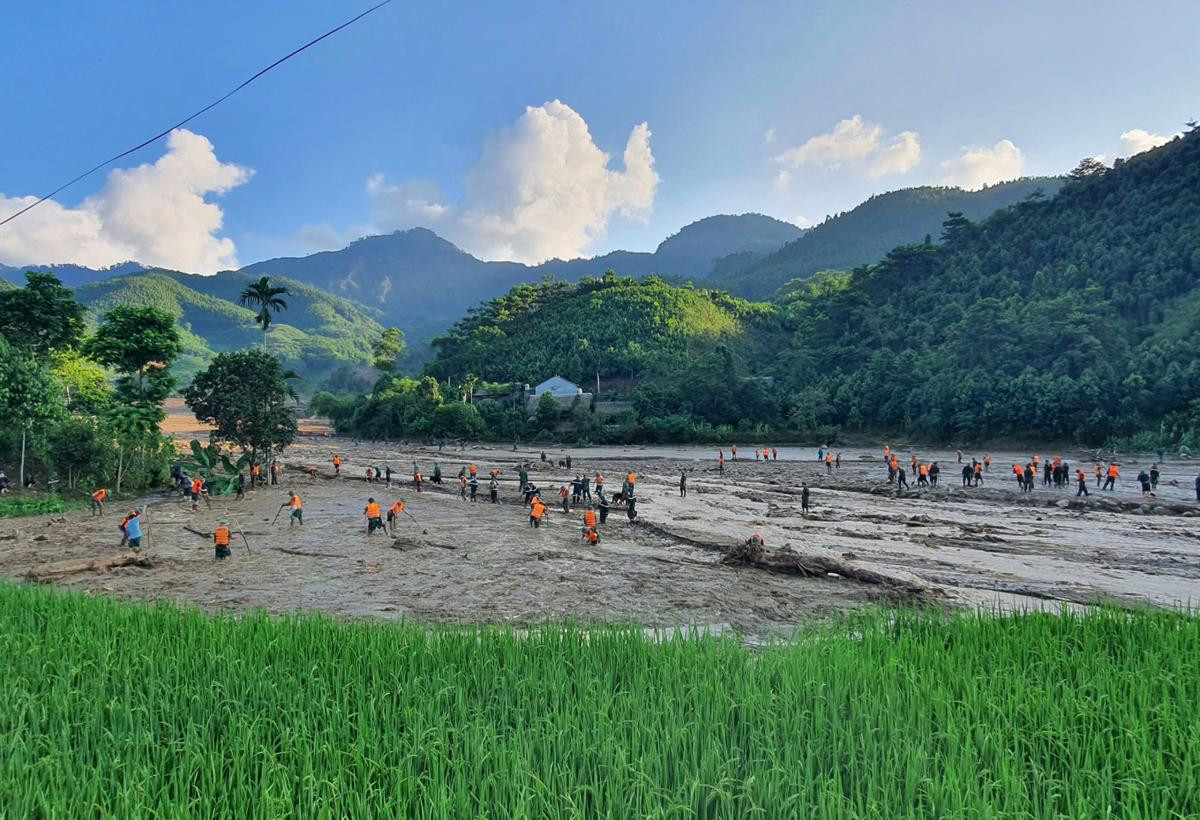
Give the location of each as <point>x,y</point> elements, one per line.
<point>69,275</point>
<point>865,233</point>
<point>1076,316</point>
<point>316,333</point>
<point>1072,317</point>
<point>423,283</point>
<point>612,326</point>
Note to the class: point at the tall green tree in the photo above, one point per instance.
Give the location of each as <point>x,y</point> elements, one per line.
<point>29,396</point>
<point>42,317</point>
<point>266,299</point>
<point>246,397</point>
<point>140,343</point>
<point>387,349</point>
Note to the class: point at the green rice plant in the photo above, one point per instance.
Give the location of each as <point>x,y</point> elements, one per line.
<point>116,709</point>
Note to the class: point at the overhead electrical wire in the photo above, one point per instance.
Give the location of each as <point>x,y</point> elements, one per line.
<point>188,119</point>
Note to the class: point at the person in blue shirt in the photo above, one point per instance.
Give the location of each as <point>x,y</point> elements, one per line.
<point>132,529</point>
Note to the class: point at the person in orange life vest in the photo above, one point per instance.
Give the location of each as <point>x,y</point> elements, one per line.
<point>923,475</point>
<point>255,474</point>
<point>978,473</point>
<point>275,471</point>
<point>393,514</point>
<point>297,509</point>
<point>221,536</point>
<point>1099,473</point>
<point>1113,475</point>
<point>536,511</point>
<point>337,465</point>
<point>987,462</point>
<point>374,516</point>
<point>473,469</point>
<point>829,462</point>
<point>721,464</point>
<point>589,517</point>
<point>197,489</point>
<point>97,503</point>
<point>591,536</point>
<point>418,479</point>
<point>565,494</point>
<point>1081,482</point>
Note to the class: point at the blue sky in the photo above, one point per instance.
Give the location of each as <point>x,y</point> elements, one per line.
<point>430,103</point>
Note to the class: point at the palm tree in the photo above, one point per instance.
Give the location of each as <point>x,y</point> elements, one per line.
<point>266,297</point>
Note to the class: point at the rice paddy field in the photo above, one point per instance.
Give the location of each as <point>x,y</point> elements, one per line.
<point>116,709</point>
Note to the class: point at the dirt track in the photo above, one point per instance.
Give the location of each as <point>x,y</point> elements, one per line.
<point>482,562</point>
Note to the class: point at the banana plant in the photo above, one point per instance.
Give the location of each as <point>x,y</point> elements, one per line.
<point>205,461</point>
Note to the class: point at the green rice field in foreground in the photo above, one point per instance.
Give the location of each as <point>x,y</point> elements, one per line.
<point>114,709</point>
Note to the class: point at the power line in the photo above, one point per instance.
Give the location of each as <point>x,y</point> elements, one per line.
<point>185,121</point>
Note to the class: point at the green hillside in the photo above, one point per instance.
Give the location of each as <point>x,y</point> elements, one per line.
<point>1071,317</point>
<point>612,326</point>
<point>865,233</point>
<point>317,331</point>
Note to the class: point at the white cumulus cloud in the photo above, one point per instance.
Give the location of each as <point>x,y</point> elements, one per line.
<point>541,188</point>
<point>978,167</point>
<point>1137,140</point>
<point>856,142</point>
<point>156,214</point>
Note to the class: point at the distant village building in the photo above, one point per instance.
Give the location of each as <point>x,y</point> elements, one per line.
<point>564,392</point>
<point>558,387</point>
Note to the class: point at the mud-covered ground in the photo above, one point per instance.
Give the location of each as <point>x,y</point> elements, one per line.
<point>464,562</point>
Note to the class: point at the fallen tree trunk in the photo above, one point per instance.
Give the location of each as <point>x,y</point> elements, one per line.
<point>787,560</point>
<point>62,569</point>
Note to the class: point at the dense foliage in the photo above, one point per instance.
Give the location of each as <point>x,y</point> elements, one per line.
<point>867,232</point>
<point>612,326</point>
<point>1075,317</point>
<point>320,333</point>
<point>124,710</point>
<point>63,419</point>
<point>247,398</point>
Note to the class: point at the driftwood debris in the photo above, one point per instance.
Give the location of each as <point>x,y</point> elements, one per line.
<point>788,561</point>
<point>63,569</point>
<point>306,553</point>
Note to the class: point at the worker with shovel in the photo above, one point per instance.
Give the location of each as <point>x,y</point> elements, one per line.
<point>297,510</point>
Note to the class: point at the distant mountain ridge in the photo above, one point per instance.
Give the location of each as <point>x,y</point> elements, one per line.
<point>867,232</point>
<point>315,334</point>
<point>424,283</point>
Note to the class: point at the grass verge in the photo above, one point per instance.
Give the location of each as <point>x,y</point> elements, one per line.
<point>109,708</point>
<point>16,506</point>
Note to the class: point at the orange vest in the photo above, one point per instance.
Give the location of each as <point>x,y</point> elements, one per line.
<point>924,469</point>
<point>100,494</point>
<point>1080,476</point>
<point>295,502</point>
<point>828,459</point>
<point>1113,471</point>
<point>978,468</point>
<point>538,510</point>
<point>254,470</point>
<point>372,510</point>
<point>589,518</point>
<point>397,508</point>
<point>474,469</point>
<point>197,485</point>
<point>337,462</point>
<point>221,536</point>
<point>633,478</point>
